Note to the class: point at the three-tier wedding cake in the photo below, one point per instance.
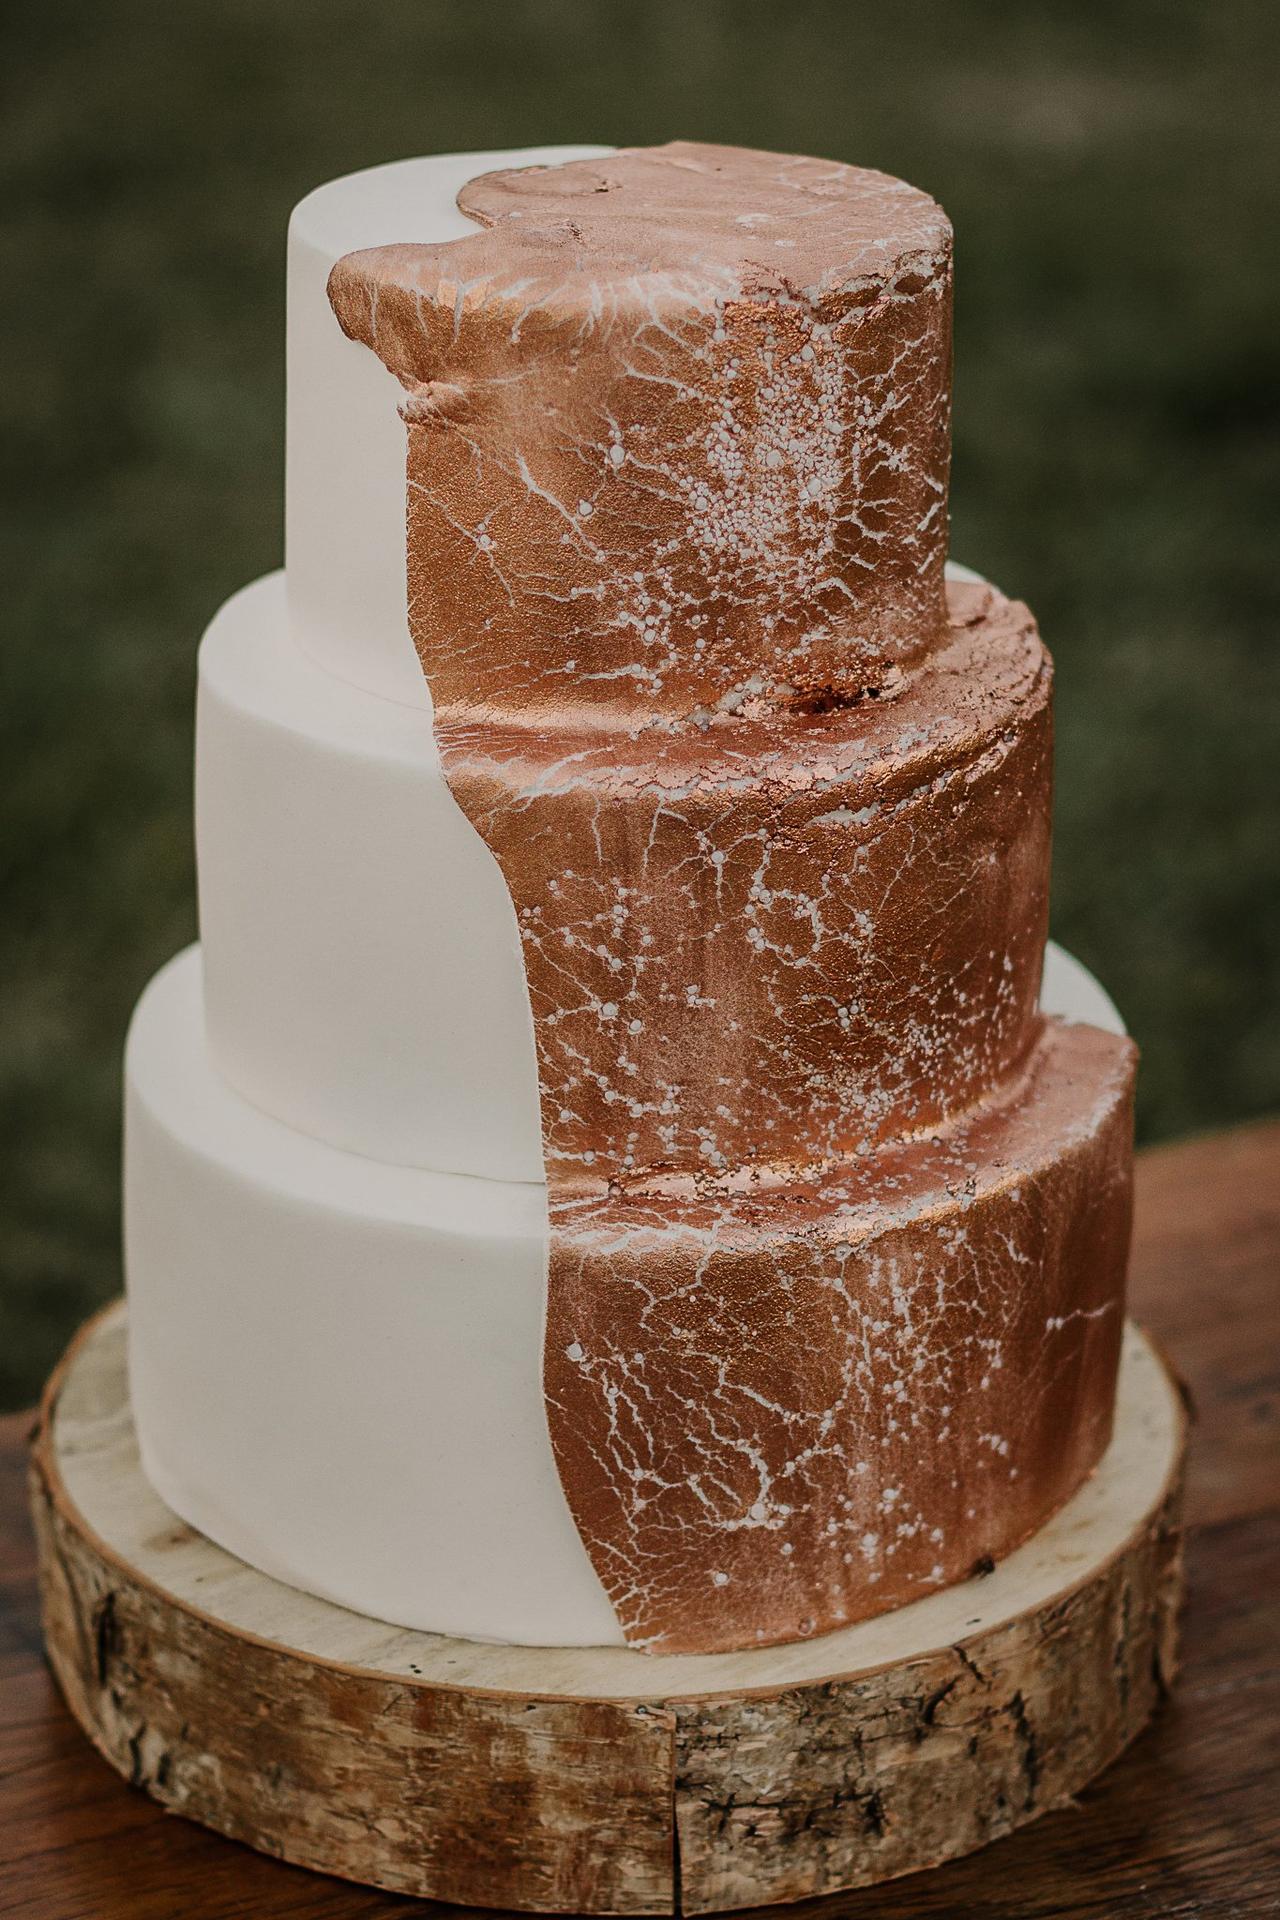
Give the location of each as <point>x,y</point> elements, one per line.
<point>610,1171</point>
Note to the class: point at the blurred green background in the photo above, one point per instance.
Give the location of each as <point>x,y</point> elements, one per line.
<point>1111,172</point>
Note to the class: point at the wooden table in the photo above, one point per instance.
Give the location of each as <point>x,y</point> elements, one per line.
<point>1186,1824</point>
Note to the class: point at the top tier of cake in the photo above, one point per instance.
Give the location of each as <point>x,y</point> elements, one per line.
<point>345,482</point>
<point>678,434</point>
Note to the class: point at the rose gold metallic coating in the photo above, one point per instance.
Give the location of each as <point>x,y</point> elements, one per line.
<point>678,427</point>
<point>779,937</point>
<point>838,1227</point>
<point>778,1412</point>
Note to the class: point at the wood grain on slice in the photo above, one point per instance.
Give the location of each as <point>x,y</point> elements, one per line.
<point>562,1779</point>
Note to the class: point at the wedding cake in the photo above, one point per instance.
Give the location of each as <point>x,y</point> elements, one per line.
<point>619,1167</point>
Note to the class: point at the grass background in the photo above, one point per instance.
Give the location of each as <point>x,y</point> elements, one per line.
<point>1111,172</point>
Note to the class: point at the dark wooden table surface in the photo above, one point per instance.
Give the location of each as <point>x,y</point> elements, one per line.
<point>1186,1824</point>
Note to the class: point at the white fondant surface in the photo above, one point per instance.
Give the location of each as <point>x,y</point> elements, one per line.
<point>363,975</point>
<point>1069,991</point>
<point>345,482</point>
<point>336,1364</point>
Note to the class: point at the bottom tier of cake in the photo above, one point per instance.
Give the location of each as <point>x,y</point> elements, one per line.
<point>337,1365</point>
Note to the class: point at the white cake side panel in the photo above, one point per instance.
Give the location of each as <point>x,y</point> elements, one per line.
<point>364,977</point>
<point>345,482</point>
<point>336,1368</point>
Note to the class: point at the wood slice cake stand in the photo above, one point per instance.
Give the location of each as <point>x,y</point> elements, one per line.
<point>601,1780</point>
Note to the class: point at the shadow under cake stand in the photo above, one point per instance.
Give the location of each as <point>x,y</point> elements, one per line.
<point>601,1780</point>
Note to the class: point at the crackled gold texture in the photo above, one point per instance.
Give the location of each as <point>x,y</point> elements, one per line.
<point>780,1410</point>
<point>778,938</point>
<point>678,430</point>
<point>838,1226</point>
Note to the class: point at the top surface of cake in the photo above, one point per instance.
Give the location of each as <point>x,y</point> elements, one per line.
<point>686,225</point>
<point>678,432</point>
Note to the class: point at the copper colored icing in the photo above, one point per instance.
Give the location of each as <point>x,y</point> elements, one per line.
<point>778,938</point>
<point>837,1226</point>
<point>678,428</point>
<point>779,1411</point>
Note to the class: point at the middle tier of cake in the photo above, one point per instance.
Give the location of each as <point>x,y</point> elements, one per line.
<point>838,941</point>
